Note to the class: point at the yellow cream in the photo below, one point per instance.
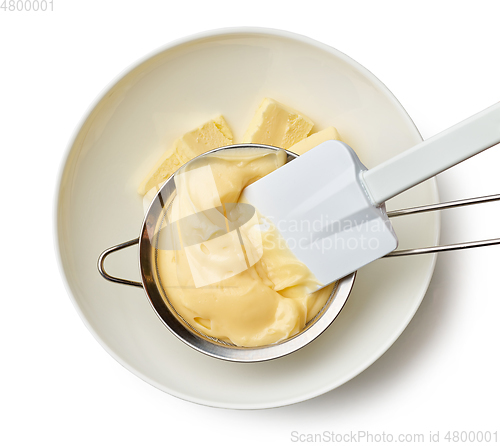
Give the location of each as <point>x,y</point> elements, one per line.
<point>228,272</point>
<point>234,278</point>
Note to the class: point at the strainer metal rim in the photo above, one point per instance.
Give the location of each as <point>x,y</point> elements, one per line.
<point>327,315</point>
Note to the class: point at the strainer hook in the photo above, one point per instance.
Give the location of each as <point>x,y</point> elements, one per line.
<point>102,257</point>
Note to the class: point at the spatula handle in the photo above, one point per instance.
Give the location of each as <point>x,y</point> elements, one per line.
<point>442,151</point>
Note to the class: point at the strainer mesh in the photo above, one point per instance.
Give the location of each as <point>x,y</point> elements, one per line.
<point>193,329</point>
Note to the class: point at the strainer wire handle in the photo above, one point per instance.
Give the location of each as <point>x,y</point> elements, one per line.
<point>102,257</point>
<point>401,252</point>
<point>441,206</point>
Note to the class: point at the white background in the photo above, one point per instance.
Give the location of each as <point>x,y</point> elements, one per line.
<point>58,386</point>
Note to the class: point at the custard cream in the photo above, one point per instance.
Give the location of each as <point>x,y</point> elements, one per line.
<point>230,275</point>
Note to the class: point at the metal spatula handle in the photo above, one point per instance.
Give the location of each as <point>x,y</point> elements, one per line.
<point>442,151</point>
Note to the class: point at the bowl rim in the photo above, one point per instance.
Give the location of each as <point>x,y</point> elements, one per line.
<point>58,244</point>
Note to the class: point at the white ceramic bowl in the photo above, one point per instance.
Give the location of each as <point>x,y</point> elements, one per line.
<point>174,90</point>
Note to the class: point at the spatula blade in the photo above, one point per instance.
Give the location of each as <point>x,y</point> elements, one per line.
<point>318,204</point>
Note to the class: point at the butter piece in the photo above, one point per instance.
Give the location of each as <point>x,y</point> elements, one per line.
<point>315,139</point>
<point>277,125</point>
<point>211,135</point>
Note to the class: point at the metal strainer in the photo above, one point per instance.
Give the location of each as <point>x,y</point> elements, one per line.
<point>151,282</point>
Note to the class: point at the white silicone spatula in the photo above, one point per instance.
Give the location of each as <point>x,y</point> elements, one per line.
<point>330,208</point>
